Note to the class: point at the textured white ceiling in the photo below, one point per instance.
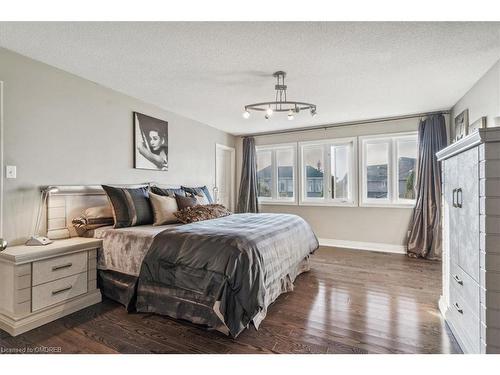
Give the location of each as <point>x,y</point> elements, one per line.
<point>209,71</point>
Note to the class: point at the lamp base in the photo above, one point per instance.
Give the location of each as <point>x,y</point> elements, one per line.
<point>38,241</point>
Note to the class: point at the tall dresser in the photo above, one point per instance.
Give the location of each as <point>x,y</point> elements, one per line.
<point>470,301</point>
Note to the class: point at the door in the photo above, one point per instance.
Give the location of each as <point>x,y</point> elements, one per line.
<point>224,192</point>
<point>468,200</point>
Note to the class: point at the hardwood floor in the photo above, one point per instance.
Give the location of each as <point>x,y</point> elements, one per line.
<point>350,302</point>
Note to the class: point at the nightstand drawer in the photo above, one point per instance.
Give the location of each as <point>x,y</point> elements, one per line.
<point>58,291</point>
<point>57,268</point>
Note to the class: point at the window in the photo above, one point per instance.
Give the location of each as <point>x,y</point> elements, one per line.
<point>328,172</point>
<point>388,167</point>
<point>314,171</point>
<point>264,173</point>
<point>276,173</point>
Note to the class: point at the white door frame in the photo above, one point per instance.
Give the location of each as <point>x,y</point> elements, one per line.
<point>218,147</point>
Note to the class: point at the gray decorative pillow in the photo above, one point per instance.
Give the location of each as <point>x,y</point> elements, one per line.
<point>202,190</point>
<point>131,206</point>
<point>168,192</point>
<point>200,213</point>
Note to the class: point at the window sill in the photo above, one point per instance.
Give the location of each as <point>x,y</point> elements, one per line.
<point>278,203</point>
<point>388,205</point>
<point>328,204</point>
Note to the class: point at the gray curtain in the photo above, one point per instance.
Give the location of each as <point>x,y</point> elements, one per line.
<point>424,233</point>
<point>247,198</point>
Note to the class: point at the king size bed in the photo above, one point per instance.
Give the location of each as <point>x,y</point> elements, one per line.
<point>221,273</point>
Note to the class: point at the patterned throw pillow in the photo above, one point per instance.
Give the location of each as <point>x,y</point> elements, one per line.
<point>131,206</point>
<point>168,192</point>
<point>93,218</point>
<point>85,226</point>
<point>200,213</point>
<point>202,190</point>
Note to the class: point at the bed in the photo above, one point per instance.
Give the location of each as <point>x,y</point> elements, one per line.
<point>222,273</point>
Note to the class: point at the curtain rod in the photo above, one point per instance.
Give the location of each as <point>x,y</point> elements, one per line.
<point>348,123</point>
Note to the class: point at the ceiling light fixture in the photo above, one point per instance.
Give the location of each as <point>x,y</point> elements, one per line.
<point>281,104</point>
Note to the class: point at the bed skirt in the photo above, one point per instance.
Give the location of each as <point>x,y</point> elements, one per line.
<point>184,304</point>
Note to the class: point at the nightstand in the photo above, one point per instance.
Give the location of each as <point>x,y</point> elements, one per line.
<point>39,284</point>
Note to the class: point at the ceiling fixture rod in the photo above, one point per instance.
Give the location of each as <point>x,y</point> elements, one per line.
<point>347,123</point>
<point>280,104</point>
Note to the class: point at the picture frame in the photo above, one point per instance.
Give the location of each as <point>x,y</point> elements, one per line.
<point>150,142</point>
<point>476,125</point>
<point>461,125</point>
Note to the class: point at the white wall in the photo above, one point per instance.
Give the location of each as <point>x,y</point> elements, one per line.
<point>385,226</point>
<point>61,129</point>
<point>483,99</point>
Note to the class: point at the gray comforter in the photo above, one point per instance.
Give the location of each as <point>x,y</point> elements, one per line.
<point>224,272</point>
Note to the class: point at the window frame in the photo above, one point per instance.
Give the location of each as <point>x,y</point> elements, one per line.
<point>274,199</point>
<point>327,177</point>
<point>393,200</point>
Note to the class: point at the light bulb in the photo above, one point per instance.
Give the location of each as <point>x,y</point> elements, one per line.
<point>269,112</point>
<point>267,117</point>
<point>290,115</point>
<point>246,114</point>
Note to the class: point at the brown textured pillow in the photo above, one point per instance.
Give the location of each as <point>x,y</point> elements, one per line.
<point>185,202</point>
<point>202,212</point>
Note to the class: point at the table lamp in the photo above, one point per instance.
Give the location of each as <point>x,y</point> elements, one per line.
<point>36,239</point>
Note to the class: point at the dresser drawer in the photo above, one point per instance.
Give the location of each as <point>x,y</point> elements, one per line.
<point>466,287</point>
<point>464,320</point>
<point>58,291</point>
<point>57,268</point>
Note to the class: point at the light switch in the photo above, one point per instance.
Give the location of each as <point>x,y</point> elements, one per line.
<point>10,171</point>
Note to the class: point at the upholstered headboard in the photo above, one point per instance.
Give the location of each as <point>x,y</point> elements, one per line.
<point>70,201</point>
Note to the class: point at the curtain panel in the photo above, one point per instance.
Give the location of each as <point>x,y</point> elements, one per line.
<point>424,233</point>
<point>247,197</point>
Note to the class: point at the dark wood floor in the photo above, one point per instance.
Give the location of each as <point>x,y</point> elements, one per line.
<point>350,302</point>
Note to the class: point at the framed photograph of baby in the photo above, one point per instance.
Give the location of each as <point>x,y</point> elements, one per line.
<point>150,143</point>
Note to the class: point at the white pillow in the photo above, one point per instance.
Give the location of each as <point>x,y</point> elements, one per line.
<point>163,209</point>
<point>202,200</point>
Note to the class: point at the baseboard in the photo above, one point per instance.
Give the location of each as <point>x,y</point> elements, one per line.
<point>358,245</point>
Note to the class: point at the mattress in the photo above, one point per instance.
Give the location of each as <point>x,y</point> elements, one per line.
<point>124,249</point>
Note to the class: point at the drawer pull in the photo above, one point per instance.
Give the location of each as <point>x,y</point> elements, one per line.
<point>58,291</point>
<point>453,198</point>
<point>62,266</point>
<point>458,308</point>
<point>458,280</point>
